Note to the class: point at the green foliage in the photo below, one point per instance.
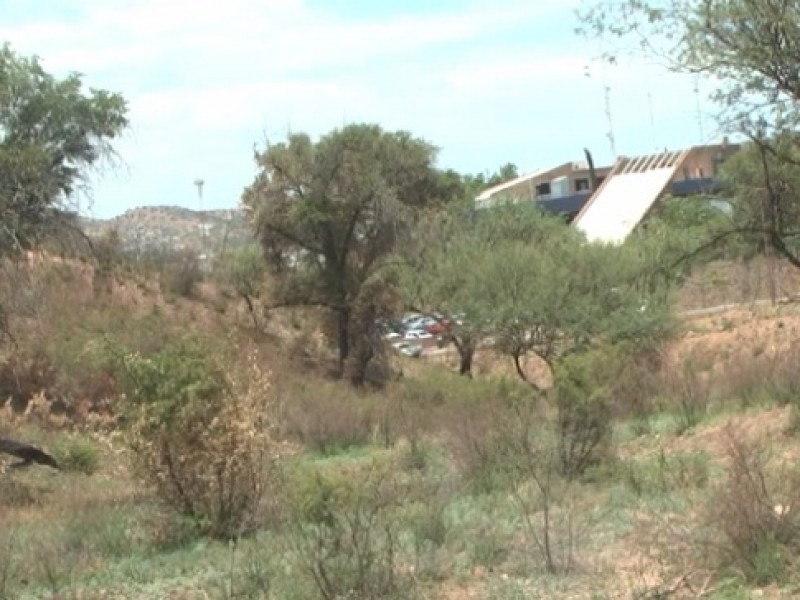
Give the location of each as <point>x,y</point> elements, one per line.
<point>329,214</point>
<point>245,271</point>
<point>327,418</point>
<point>532,283</point>
<point>474,184</point>
<point>346,537</point>
<point>200,434</point>
<point>584,397</point>
<point>666,474</point>
<point>763,180</point>
<point>77,454</point>
<point>51,133</point>
<point>675,240</point>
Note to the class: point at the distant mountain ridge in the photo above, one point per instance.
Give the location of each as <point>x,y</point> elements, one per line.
<point>174,228</point>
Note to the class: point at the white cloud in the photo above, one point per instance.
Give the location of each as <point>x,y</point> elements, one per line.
<point>207,78</point>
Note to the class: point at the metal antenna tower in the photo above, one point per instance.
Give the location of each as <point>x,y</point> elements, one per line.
<point>652,118</point>
<point>699,112</point>
<point>587,72</point>
<point>610,133</point>
<point>203,227</point>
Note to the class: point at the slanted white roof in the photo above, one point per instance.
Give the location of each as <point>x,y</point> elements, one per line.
<point>626,195</point>
<point>486,195</point>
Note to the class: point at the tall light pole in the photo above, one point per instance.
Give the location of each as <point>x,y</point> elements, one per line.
<point>200,183</point>
<point>204,246</point>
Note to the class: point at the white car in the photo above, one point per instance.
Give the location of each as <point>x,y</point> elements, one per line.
<point>415,323</point>
<point>412,350</point>
<point>418,334</point>
<point>392,335</point>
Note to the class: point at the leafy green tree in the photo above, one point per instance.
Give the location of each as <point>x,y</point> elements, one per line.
<point>534,285</point>
<point>765,200</point>
<point>52,132</point>
<point>749,49</point>
<point>505,173</point>
<point>680,234</point>
<point>245,272</point>
<point>474,184</point>
<point>437,275</point>
<point>331,213</point>
<point>557,295</point>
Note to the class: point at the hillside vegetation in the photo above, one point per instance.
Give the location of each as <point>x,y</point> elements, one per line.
<point>434,486</point>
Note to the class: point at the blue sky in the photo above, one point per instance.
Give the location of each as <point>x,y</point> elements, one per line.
<point>487,82</point>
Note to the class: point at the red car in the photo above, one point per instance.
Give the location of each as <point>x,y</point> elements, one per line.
<point>439,327</point>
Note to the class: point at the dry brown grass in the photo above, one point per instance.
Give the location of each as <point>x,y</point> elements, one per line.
<point>738,283</point>
<point>638,540</point>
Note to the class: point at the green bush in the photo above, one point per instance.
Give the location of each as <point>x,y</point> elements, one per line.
<point>666,473</point>
<point>327,418</point>
<point>346,535</point>
<point>200,434</point>
<point>77,454</point>
<point>689,387</point>
<point>583,396</point>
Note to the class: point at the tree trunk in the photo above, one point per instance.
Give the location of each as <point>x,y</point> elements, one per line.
<point>517,356</point>
<point>466,352</point>
<point>359,364</point>
<point>518,366</point>
<point>343,337</point>
<point>251,309</point>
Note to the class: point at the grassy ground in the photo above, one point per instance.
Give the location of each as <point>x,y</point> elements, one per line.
<point>640,524</point>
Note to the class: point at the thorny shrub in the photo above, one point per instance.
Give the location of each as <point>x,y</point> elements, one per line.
<point>180,274</point>
<point>755,513</point>
<point>326,418</point>
<point>201,435</point>
<point>690,387</point>
<point>754,380</point>
<point>583,396</point>
<point>346,535</point>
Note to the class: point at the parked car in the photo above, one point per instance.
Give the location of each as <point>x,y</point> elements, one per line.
<point>392,335</point>
<point>409,318</point>
<point>418,334</point>
<point>412,350</point>
<point>415,323</point>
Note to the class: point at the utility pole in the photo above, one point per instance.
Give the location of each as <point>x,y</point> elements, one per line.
<point>607,107</point>
<point>700,132</point>
<point>610,134</point>
<point>203,232</point>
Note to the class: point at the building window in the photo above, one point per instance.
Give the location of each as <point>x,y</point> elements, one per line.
<point>543,189</point>
<point>581,185</point>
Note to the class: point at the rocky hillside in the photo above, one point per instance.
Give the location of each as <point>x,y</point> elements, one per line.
<point>172,228</point>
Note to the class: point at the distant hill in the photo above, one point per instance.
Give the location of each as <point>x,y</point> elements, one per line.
<point>173,228</point>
